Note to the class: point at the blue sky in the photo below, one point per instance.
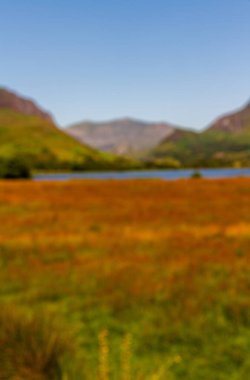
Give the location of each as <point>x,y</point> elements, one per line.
<point>183,61</point>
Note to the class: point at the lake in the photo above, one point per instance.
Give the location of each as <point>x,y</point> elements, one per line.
<point>145,174</point>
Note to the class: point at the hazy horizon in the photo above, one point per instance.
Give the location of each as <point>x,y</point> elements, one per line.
<point>185,64</point>
<point>118,118</point>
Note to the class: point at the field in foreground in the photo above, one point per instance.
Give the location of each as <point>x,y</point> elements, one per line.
<point>157,273</point>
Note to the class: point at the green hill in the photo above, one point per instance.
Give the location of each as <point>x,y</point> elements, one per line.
<point>39,141</point>
<point>28,133</point>
<point>225,143</point>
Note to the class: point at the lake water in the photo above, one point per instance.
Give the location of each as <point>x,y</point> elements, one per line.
<point>143,174</point>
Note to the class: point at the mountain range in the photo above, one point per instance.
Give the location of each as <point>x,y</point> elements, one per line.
<point>30,133</point>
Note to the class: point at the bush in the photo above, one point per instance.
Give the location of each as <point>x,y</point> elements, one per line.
<point>32,348</point>
<point>196,174</point>
<point>14,168</point>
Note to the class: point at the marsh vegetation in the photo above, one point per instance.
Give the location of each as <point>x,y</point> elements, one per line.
<point>139,279</point>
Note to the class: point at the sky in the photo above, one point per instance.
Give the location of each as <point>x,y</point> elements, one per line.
<point>181,61</point>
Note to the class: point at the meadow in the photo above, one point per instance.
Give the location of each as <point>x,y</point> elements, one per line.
<point>125,280</point>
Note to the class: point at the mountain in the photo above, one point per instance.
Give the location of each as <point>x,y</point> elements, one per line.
<point>124,136</point>
<point>226,142</point>
<point>29,133</point>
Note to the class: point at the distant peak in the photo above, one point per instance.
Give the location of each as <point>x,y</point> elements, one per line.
<point>13,101</point>
<point>129,121</point>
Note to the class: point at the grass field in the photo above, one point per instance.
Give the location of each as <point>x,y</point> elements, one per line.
<point>144,280</point>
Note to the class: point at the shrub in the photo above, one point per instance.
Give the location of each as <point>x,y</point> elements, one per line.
<point>196,174</point>
<point>32,348</point>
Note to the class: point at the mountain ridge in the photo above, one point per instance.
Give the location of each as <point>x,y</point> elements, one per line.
<point>232,121</point>
<point>11,100</point>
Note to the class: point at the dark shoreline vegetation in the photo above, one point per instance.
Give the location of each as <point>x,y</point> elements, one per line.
<point>19,168</point>
<point>133,280</point>
<point>14,168</point>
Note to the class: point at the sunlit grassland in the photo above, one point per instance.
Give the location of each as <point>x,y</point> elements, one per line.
<point>166,264</point>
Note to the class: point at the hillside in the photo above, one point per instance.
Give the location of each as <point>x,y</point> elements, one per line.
<point>226,142</point>
<point>123,136</point>
<point>29,133</point>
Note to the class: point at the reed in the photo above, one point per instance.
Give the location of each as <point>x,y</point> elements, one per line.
<point>126,357</point>
<point>104,355</point>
